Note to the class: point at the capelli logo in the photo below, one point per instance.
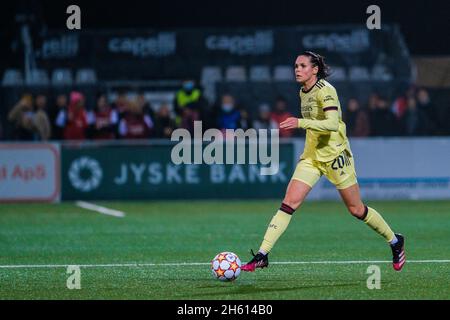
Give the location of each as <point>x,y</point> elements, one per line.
<point>261,42</point>
<point>352,42</point>
<point>162,44</point>
<point>62,47</point>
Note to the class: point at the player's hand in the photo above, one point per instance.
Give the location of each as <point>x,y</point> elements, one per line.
<point>289,123</point>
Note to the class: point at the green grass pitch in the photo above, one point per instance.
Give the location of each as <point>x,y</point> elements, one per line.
<point>163,235</point>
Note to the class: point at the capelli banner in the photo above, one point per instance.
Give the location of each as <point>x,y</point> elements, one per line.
<point>147,54</point>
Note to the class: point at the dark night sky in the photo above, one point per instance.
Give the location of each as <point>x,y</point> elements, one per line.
<point>425,24</point>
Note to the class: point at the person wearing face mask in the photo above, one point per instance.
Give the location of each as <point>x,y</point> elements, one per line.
<point>229,117</point>
<point>188,103</point>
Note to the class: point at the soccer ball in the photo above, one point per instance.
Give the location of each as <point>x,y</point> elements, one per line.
<point>226,266</point>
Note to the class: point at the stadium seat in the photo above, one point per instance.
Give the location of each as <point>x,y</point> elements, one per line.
<point>359,74</point>
<point>381,73</point>
<point>111,97</point>
<point>157,98</point>
<point>260,74</point>
<point>12,77</point>
<point>283,73</point>
<point>211,74</point>
<point>62,77</point>
<point>338,74</point>
<point>86,76</point>
<point>235,74</point>
<point>37,77</point>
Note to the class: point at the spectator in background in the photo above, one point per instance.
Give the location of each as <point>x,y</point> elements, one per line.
<point>371,110</point>
<point>121,104</point>
<point>356,119</point>
<point>414,121</point>
<point>77,121</point>
<point>134,124</point>
<point>384,122</point>
<point>435,123</point>
<point>400,104</point>
<point>445,126</point>
<point>280,114</point>
<point>189,104</point>
<point>58,117</point>
<point>264,120</point>
<point>187,119</point>
<point>229,116</point>
<point>245,120</point>
<point>145,105</point>
<point>41,120</point>
<point>21,115</point>
<point>104,120</point>
<point>164,124</point>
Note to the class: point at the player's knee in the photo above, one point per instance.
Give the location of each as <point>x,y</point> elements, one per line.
<point>358,211</point>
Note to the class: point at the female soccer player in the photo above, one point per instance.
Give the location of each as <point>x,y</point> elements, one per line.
<point>327,152</point>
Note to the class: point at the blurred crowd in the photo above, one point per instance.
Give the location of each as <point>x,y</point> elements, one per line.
<point>67,117</point>
<point>411,114</point>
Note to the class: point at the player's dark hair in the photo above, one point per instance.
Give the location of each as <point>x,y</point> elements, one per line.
<point>318,61</point>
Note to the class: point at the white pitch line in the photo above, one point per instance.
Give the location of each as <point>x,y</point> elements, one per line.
<point>181,264</point>
<point>100,209</point>
<point>359,262</point>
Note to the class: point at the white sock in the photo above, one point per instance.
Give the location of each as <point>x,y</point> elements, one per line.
<point>262,251</point>
<point>393,241</point>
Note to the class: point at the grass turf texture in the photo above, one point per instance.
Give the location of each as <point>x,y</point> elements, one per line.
<point>163,232</point>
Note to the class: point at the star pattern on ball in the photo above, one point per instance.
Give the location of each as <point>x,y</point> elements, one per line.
<point>221,257</point>
<point>234,266</point>
<point>220,272</point>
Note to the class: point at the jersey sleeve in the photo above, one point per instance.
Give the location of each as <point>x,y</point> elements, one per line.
<point>330,124</point>
<point>327,98</point>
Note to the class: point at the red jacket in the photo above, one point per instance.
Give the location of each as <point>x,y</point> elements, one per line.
<point>103,125</point>
<point>76,124</point>
<point>134,126</point>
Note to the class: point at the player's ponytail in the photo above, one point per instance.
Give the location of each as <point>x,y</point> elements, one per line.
<point>318,61</point>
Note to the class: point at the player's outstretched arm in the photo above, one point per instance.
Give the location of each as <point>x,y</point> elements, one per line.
<point>329,124</point>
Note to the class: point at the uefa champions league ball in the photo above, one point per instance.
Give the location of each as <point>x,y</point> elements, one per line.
<point>226,266</point>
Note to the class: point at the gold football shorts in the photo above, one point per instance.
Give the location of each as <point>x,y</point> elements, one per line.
<point>340,171</point>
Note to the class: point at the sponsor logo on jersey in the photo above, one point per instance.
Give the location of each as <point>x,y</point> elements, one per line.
<point>328,98</point>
